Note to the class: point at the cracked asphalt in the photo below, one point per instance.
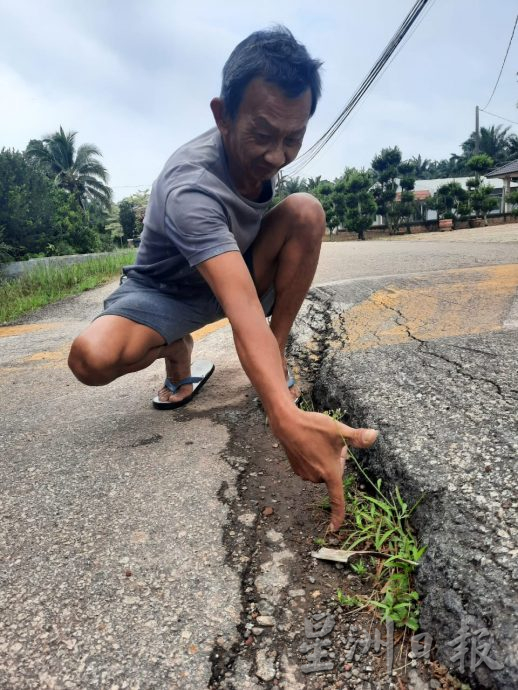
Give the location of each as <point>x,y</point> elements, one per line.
<point>124,542</point>
<point>429,358</point>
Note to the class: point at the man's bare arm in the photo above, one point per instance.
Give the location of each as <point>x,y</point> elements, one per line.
<point>314,443</point>
<point>257,349</point>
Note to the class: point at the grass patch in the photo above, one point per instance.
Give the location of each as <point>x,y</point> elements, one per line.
<point>378,524</point>
<point>47,284</point>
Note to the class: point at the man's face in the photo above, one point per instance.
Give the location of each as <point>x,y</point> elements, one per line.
<point>266,133</point>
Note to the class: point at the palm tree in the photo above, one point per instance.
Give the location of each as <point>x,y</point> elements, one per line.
<point>495,141</point>
<point>293,185</point>
<point>79,173</point>
<point>313,182</point>
<point>512,147</point>
<point>421,167</point>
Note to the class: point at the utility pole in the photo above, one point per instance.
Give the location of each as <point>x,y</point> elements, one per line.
<point>477,131</point>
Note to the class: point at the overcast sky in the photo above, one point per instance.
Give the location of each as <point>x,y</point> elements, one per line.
<point>135,77</point>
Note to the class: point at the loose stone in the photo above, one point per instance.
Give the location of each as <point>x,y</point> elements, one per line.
<point>265,621</point>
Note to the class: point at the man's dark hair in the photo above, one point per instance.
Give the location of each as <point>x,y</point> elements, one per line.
<point>278,58</point>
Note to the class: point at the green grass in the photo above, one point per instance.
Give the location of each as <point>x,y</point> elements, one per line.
<point>379,525</point>
<point>45,285</point>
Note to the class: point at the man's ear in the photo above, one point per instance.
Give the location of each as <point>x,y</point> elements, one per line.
<point>221,118</point>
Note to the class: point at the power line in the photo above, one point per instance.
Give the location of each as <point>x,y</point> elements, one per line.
<point>499,116</point>
<point>503,63</point>
<point>377,69</point>
<point>386,66</point>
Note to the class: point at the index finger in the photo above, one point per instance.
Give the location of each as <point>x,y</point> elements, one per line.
<point>335,489</point>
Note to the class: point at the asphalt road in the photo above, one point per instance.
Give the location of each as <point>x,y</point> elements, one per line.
<point>424,348</point>
<point>418,254</point>
<point>113,573</point>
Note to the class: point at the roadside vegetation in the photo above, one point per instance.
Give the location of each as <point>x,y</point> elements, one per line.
<point>47,284</point>
<point>377,524</point>
<point>55,197</point>
<point>387,189</point>
<point>384,549</point>
<point>55,200</point>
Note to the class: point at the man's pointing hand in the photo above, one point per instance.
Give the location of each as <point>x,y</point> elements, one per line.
<point>316,446</point>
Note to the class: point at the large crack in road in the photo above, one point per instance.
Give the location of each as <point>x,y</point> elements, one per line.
<point>453,434</point>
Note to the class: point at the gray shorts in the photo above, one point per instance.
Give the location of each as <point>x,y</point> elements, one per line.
<point>170,315</point>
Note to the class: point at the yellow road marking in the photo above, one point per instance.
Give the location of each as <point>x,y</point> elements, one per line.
<point>9,331</point>
<point>206,330</point>
<point>51,358</point>
<point>46,356</point>
<point>465,302</point>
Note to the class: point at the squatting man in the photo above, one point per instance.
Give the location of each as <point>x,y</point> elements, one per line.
<point>210,247</point>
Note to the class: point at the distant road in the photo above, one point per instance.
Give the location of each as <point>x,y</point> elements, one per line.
<point>406,254</point>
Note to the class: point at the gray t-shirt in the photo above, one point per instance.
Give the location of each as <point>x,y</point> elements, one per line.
<point>194,213</point>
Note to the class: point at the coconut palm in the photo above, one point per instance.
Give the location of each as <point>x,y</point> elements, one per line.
<point>421,167</point>
<point>293,185</point>
<point>313,182</point>
<point>79,173</point>
<point>494,141</point>
<point>512,147</point>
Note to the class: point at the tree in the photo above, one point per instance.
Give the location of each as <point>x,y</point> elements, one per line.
<point>450,200</point>
<point>131,213</point>
<point>79,173</point>
<point>127,219</point>
<point>37,218</point>
<point>113,225</point>
<point>406,207</point>
<point>512,200</point>
<point>325,193</point>
<point>139,202</point>
<point>98,217</point>
<point>72,232</point>
<point>512,147</point>
<point>312,182</point>
<point>27,206</point>
<point>390,171</point>
<point>386,166</point>
<point>495,141</point>
<point>480,164</point>
<point>447,167</point>
<point>359,202</point>
<point>421,167</point>
<point>480,197</point>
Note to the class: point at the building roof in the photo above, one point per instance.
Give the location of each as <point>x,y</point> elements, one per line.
<point>508,170</point>
<point>419,195</point>
<point>433,185</point>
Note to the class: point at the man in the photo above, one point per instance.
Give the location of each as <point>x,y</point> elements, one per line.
<point>210,248</point>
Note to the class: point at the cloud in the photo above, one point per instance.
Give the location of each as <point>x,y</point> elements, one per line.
<point>136,78</point>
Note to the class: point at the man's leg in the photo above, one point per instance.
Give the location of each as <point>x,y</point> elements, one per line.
<point>286,255</point>
<point>113,346</point>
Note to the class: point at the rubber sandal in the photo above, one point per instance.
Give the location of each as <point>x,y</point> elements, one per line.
<point>201,371</point>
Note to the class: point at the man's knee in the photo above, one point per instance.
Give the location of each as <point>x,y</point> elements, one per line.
<point>91,365</point>
<point>307,213</point>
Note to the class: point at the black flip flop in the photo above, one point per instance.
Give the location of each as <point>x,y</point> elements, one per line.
<point>201,371</point>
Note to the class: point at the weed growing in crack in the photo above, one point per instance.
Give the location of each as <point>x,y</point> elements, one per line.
<point>346,600</point>
<point>378,526</point>
<point>306,404</point>
<point>359,568</point>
